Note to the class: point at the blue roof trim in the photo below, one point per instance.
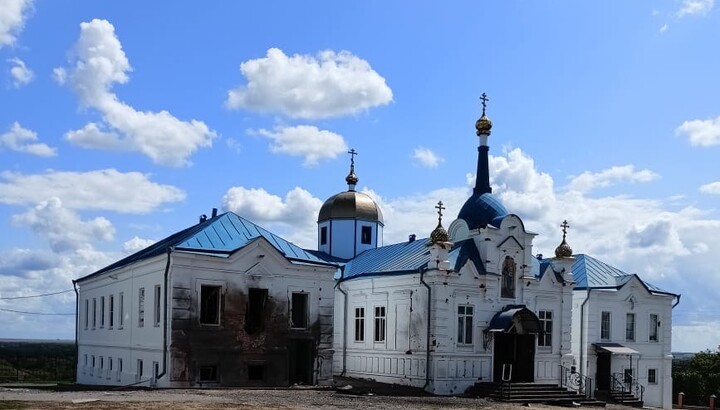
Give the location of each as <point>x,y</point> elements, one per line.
<point>224,234</point>
<point>467,251</point>
<point>590,273</point>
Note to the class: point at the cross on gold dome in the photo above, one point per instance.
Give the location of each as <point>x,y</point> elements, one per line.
<point>565,227</point>
<point>440,208</point>
<point>484,100</point>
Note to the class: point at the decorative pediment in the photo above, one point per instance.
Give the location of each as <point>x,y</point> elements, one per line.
<point>511,242</point>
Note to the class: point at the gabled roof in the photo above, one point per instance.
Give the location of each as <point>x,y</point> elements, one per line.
<point>222,235</point>
<point>408,257</point>
<point>591,273</point>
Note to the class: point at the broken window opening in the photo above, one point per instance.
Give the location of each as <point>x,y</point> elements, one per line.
<point>299,311</point>
<point>208,373</point>
<point>255,312</point>
<point>256,371</point>
<point>210,305</point>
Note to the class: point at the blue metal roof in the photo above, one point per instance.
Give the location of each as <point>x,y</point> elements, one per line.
<point>591,273</point>
<point>481,210</point>
<point>408,257</point>
<point>222,235</point>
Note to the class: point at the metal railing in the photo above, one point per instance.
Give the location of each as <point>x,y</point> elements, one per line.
<point>573,380</point>
<point>625,383</point>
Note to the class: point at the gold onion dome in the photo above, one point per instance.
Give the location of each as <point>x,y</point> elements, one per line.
<point>564,250</point>
<point>439,234</point>
<point>352,179</point>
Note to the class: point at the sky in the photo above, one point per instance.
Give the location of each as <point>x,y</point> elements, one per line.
<point>123,122</point>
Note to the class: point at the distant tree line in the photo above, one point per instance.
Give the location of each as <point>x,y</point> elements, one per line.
<point>28,362</point>
<point>698,377</point>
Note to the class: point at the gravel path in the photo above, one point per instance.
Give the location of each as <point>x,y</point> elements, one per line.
<point>182,399</point>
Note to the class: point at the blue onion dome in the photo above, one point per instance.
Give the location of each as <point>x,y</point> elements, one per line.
<point>481,210</point>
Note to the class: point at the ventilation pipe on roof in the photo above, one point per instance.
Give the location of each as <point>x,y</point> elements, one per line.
<point>214,213</point>
<point>203,218</point>
<point>411,237</point>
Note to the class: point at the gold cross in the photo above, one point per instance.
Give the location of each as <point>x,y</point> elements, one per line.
<point>352,153</point>
<point>440,208</point>
<point>484,101</point>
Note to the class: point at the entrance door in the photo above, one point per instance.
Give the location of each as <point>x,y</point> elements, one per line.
<point>602,377</point>
<point>301,362</point>
<point>516,350</point>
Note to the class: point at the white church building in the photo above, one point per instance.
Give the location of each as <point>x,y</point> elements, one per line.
<point>228,303</point>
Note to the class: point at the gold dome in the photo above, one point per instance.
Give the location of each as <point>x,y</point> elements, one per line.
<point>350,205</point>
<point>564,250</point>
<point>439,235</point>
<point>483,125</point>
<point>352,179</point>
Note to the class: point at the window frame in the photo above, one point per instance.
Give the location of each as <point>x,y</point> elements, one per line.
<point>653,379</point>
<point>121,309</point>
<point>380,321</point>
<point>630,332</point>
<point>87,313</point>
<point>111,311</point>
<point>653,328</point>
<point>465,322</point>
<point>604,329</point>
<point>306,317</point>
<point>360,324</point>
<point>323,235</point>
<point>157,313</point>
<point>545,338</point>
<point>102,312</point>
<point>217,306</point>
<point>94,320</point>
<point>141,307</point>
<point>366,232</point>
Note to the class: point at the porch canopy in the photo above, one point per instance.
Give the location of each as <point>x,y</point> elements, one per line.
<point>615,348</point>
<point>514,319</point>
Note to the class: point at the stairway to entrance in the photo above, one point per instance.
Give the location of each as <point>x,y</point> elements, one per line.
<point>530,393</point>
<point>620,397</point>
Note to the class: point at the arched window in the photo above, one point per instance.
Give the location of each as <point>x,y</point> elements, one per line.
<point>507,289</point>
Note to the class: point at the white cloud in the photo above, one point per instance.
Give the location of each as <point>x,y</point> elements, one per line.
<point>298,210</point>
<point>695,8</point>
<point>107,189</point>
<point>711,188</point>
<point>63,228</point>
<point>20,73</point>
<point>136,244</point>
<point>305,140</point>
<point>703,133</point>
<point>427,158</point>
<point>696,336</point>
<point>302,86</point>
<point>588,181</point>
<point>13,14</point>
<point>664,28</point>
<point>23,140</point>
<point>98,64</point>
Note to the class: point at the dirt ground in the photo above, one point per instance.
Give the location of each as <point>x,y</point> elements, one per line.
<point>191,399</point>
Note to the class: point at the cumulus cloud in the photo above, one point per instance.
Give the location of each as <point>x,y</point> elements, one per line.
<point>302,86</point>
<point>427,158</point>
<point>23,140</point>
<point>19,262</point>
<point>306,141</point>
<point>13,14</point>
<point>107,189</point>
<point>62,227</point>
<point>703,133</point>
<point>99,63</point>
<point>711,188</point>
<point>298,210</point>
<point>588,181</point>
<point>20,73</point>
<point>136,244</point>
<point>695,8</point>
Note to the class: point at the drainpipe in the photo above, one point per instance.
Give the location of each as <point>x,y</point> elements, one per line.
<point>583,367</point>
<point>345,303</point>
<point>165,318</point>
<point>427,342</point>
<point>77,326</point>
<point>676,303</point>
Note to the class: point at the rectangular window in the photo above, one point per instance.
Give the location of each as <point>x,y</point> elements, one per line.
<point>93,361</point>
<point>465,325</point>
<point>630,327</point>
<point>102,367</point>
<point>255,313</point>
<point>141,307</point>
<point>546,325</point>
<point>110,366</point>
<point>87,312</point>
<point>210,305</point>
<point>156,370</point>
<point>652,376</point>
<point>654,325</point>
<point>85,363</point>
<point>299,313</point>
<point>379,324</point>
<point>366,235</point>
<point>139,369</point>
<point>121,312</point>
<point>323,235</point>
<point>102,311</point>
<point>605,326</point>
<point>111,312</point>
<point>158,310</point>
<point>94,312</point>
<point>359,324</point>
<point>208,373</point>
<point>119,369</point>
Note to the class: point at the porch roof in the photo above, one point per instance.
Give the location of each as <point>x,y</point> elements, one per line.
<point>615,348</point>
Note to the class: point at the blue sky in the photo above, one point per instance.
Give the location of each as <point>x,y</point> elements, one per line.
<point>122,122</point>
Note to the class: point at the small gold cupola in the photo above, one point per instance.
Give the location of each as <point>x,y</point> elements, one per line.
<point>439,235</point>
<point>483,125</point>
<point>564,250</point>
<point>352,179</point>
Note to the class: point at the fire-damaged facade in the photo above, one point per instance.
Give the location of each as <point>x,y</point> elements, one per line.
<point>222,303</point>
